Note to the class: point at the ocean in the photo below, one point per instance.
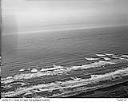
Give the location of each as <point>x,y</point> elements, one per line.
<point>72,63</point>
<point>65,48</point>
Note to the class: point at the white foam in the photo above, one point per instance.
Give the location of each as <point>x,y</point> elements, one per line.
<point>21,70</point>
<point>6,81</point>
<point>75,78</point>
<point>7,86</point>
<point>43,70</point>
<point>100,55</point>
<point>94,76</point>
<point>121,58</point>
<point>28,93</point>
<point>117,57</point>
<point>54,71</point>
<point>91,59</point>
<point>96,64</point>
<point>70,83</point>
<point>34,70</point>
<point>108,54</point>
<point>126,56</point>
<point>9,77</point>
<point>55,66</point>
<point>111,75</point>
<point>106,58</point>
<point>51,69</point>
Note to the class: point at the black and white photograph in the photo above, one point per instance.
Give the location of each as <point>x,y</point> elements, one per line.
<point>64,49</point>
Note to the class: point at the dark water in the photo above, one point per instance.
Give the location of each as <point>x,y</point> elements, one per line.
<point>66,48</point>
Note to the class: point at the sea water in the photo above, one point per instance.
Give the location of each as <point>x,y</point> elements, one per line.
<point>65,48</point>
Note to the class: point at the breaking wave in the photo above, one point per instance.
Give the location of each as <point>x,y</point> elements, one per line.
<point>52,71</point>
<point>70,83</point>
<point>17,85</point>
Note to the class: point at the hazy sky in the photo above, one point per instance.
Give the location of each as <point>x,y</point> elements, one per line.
<point>27,15</point>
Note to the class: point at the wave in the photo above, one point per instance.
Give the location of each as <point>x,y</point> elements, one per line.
<point>125,56</point>
<point>106,58</point>
<point>69,84</point>
<point>91,59</point>
<point>21,70</point>
<point>66,86</point>
<point>53,71</point>
<point>34,70</point>
<point>109,54</point>
<point>100,55</point>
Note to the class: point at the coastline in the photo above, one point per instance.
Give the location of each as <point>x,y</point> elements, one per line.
<point>53,86</point>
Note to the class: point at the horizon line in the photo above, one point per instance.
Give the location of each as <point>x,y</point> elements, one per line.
<point>64,29</point>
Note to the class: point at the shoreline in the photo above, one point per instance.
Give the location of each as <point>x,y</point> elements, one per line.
<point>62,81</point>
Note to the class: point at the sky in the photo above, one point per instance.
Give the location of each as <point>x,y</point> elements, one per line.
<point>34,15</point>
